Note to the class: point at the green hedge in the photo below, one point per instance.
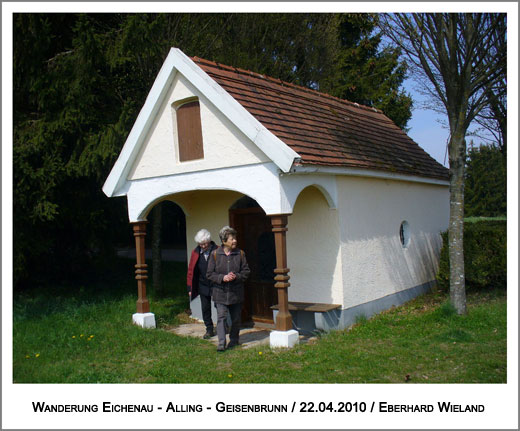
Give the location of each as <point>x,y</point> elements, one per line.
<point>485,255</point>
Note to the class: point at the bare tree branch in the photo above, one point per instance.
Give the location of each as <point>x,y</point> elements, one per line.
<point>462,58</point>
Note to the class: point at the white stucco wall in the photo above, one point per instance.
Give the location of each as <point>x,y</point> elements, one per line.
<point>293,184</point>
<point>224,145</point>
<point>208,209</point>
<point>313,250</point>
<point>375,264</point>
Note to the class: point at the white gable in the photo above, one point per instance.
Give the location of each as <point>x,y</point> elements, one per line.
<point>151,131</point>
<point>224,144</point>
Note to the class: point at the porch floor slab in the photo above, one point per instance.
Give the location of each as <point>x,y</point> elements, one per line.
<point>249,337</point>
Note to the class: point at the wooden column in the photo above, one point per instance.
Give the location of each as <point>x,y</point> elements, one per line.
<point>143,306</point>
<point>283,318</point>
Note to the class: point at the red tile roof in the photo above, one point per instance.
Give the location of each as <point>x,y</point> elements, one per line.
<point>322,129</point>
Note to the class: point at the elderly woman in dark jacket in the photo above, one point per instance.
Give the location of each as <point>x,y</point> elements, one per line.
<point>228,270</point>
<point>197,282</point>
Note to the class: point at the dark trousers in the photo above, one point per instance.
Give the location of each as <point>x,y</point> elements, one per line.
<point>205,305</point>
<point>234,310</point>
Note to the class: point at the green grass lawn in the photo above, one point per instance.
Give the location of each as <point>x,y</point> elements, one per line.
<point>84,334</point>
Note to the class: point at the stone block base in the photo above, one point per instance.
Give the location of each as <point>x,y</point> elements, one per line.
<point>146,320</point>
<point>284,338</point>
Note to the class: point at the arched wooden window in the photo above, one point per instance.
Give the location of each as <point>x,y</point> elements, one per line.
<point>189,131</point>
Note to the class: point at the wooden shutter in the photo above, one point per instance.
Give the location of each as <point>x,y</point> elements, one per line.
<point>189,131</point>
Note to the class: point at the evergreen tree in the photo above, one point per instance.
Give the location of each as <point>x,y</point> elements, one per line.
<point>68,129</point>
<point>367,74</point>
<point>81,79</point>
<point>485,182</point>
<point>297,48</point>
<point>338,54</point>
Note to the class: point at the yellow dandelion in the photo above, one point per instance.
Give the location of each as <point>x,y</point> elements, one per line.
<point>81,335</point>
<point>259,353</point>
<point>91,336</point>
<point>230,375</point>
<point>37,354</point>
<point>73,336</point>
<point>27,356</point>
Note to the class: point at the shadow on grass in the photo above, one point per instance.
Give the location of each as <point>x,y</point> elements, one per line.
<point>114,285</point>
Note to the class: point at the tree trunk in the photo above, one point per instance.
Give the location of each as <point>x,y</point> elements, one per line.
<point>156,249</point>
<point>456,228</point>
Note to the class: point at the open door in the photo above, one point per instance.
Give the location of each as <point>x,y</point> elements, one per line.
<point>256,238</point>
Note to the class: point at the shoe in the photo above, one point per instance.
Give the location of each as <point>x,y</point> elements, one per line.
<point>233,344</point>
<point>209,333</point>
<point>221,348</point>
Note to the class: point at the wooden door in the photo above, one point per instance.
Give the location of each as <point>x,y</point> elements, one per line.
<point>256,238</point>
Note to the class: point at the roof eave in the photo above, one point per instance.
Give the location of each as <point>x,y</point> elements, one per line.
<point>117,176</point>
<point>335,170</point>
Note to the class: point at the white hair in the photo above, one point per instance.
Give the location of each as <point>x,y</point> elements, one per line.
<point>203,235</point>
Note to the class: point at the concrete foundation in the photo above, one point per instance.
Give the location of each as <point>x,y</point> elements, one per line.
<point>309,322</point>
<point>145,320</point>
<point>284,338</point>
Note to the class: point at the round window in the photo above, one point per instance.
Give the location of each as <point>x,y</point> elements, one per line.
<point>404,233</point>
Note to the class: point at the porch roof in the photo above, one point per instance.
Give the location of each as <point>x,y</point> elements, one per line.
<point>322,129</point>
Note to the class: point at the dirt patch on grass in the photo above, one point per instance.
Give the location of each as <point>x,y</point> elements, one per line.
<point>180,319</point>
<point>294,366</point>
<point>223,366</point>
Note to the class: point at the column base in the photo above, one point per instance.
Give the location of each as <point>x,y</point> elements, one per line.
<point>284,338</point>
<point>146,320</point>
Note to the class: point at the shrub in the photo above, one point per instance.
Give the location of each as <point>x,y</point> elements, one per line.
<point>485,255</point>
<point>446,310</point>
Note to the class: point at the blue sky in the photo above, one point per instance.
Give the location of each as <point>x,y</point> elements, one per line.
<point>426,130</point>
<point>429,128</point>
<point>429,134</point>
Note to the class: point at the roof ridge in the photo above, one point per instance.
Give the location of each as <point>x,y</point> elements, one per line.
<point>283,83</point>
